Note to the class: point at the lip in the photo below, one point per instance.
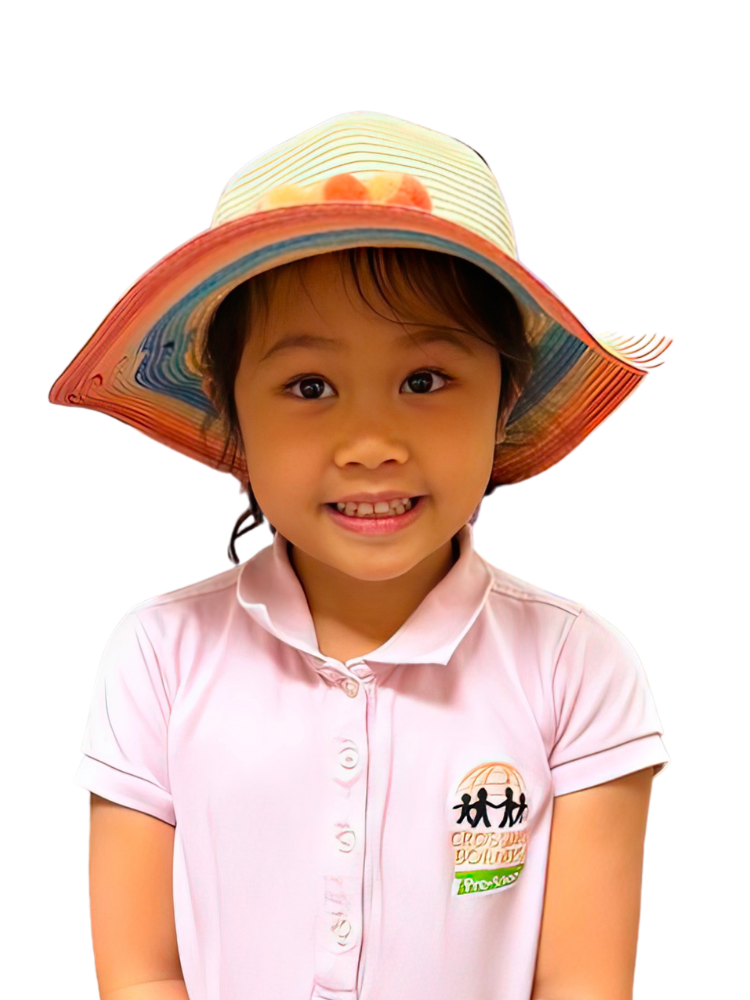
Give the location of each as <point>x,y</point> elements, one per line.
<point>377,525</point>
<point>372,497</point>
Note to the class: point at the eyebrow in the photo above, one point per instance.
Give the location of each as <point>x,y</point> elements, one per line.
<point>426,335</point>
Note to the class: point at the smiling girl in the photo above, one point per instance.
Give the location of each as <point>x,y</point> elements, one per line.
<point>365,764</point>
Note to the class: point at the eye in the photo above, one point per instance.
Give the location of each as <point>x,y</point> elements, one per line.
<point>420,374</point>
<point>423,381</point>
<point>311,387</point>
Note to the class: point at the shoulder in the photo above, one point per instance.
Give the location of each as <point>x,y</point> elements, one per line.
<point>532,608</point>
<point>198,608</point>
<point>204,591</point>
<point>508,588</point>
<point>568,624</point>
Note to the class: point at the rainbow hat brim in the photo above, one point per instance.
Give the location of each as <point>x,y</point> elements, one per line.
<point>140,365</point>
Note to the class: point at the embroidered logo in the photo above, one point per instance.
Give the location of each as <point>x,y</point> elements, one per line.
<point>489,857</point>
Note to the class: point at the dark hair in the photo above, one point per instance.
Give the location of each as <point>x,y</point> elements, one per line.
<point>467,293</point>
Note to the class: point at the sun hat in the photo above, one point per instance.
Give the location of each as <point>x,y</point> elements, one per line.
<point>359,179</point>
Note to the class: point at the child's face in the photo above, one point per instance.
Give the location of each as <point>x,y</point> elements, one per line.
<point>369,424</point>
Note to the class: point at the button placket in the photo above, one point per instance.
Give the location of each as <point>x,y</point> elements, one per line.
<point>338,936</point>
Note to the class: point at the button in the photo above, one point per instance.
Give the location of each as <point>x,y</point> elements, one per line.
<point>351,687</point>
<point>348,757</point>
<point>347,840</point>
<point>342,929</point>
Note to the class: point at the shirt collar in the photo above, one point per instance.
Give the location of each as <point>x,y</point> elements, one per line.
<point>269,590</point>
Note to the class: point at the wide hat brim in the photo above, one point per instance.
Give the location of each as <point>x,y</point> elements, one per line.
<point>141,366</point>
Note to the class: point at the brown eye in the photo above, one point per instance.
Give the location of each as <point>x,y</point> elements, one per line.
<point>426,377</point>
<point>423,377</point>
<point>310,380</point>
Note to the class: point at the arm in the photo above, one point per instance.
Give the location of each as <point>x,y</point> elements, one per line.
<point>132,912</point>
<point>589,931</point>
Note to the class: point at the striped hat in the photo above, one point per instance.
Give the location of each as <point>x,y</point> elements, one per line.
<point>360,179</point>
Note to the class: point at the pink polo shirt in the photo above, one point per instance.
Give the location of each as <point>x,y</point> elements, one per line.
<point>370,830</point>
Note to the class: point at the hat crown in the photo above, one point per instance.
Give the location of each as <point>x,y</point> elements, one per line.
<point>369,156</point>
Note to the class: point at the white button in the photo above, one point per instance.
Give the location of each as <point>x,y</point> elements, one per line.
<point>348,757</point>
<point>342,929</point>
<point>351,687</point>
<point>347,839</point>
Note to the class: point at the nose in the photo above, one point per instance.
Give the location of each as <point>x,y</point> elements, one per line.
<point>370,437</point>
<point>370,450</point>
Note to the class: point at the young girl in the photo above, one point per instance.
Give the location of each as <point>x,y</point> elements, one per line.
<point>364,764</point>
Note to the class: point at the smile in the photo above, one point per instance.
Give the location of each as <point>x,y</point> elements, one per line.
<point>386,508</point>
<point>377,523</point>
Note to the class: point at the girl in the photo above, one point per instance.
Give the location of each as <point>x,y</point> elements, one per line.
<point>365,764</point>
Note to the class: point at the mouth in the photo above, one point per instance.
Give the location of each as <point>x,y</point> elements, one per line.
<point>335,506</point>
<point>370,520</point>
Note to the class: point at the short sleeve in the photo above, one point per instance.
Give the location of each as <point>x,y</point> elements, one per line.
<point>125,742</point>
<point>607,724</point>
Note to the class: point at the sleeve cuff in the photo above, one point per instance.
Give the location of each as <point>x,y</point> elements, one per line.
<point>607,765</point>
<point>125,789</point>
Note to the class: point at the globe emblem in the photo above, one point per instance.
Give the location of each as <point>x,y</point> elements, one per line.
<point>495,778</point>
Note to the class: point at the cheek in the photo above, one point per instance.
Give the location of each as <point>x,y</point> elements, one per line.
<point>475,457</point>
<point>463,437</point>
<point>280,459</point>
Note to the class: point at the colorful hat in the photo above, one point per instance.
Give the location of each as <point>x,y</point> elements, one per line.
<point>360,179</point>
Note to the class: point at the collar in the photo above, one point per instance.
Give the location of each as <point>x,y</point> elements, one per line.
<point>269,590</point>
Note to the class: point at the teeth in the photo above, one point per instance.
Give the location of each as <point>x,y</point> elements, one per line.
<point>383,507</point>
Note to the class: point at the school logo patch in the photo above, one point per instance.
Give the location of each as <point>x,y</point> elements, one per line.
<point>488,832</point>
